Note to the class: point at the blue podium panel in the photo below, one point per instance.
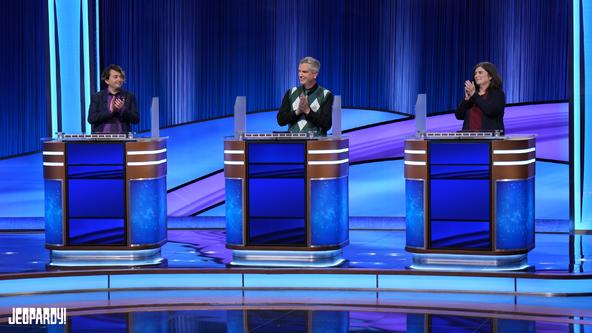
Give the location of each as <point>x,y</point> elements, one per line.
<point>96,231</point>
<point>277,231</point>
<point>453,199</point>
<point>234,211</point>
<point>276,211</point>
<point>414,206</point>
<point>515,214</point>
<point>147,211</point>
<point>276,199</point>
<point>460,235</point>
<point>54,214</point>
<point>459,153</point>
<point>329,222</point>
<point>459,196</point>
<point>96,194</point>
<point>96,198</point>
<point>95,153</point>
<point>270,152</point>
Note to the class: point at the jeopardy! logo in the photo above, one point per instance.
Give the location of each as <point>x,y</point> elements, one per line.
<point>38,316</point>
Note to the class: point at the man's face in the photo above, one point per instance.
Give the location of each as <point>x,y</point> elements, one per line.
<point>115,80</point>
<point>306,76</point>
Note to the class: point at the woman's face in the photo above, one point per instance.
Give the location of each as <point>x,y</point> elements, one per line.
<point>482,78</point>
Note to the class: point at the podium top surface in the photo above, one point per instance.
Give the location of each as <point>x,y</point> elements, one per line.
<point>281,136</point>
<point>100,137</point>
<point>494,135</point>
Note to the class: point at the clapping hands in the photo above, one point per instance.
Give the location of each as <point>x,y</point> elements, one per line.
<point>117,104</point>
<point>469,89</point>
<point>303,105</point>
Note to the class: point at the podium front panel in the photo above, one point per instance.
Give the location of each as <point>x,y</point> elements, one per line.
<point>276,196</point>
<point>470,196</point>
<point>105,194</point>
<point>96,193</point>
<point>286,194</point>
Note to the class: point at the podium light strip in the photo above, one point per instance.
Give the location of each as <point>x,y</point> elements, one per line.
<point>417,152</point>
<point>414,163</point>
<point>328,162</point>
<point>515,151</point>
<point>329,151</point>
<point>146,163</point>
<point>234,162</point>
<point>239,152</point>
<point>60,164</point>
<point>146,152</point>
<point>53,153</point>
<point>515,162</point>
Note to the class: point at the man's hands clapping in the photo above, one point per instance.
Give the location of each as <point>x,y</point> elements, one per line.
<point>117,104</point>
<point>303,105</point>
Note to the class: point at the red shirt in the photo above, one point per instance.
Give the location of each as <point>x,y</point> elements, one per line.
<point>476,117</point>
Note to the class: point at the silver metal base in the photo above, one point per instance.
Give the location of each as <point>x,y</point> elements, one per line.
<point>469,263</point>
<point>80,258</point>
<point>287,258</point>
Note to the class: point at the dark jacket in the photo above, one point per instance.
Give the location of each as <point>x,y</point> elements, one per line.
<point>492,106</point>
<point>99,115</point>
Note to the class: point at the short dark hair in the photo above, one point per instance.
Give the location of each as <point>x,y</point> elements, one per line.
<point>496,80</point>
<point>107,71</point>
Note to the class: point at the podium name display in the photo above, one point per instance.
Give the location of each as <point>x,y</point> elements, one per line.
<point>105,194</point>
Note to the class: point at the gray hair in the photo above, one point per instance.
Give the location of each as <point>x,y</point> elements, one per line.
<point>315,65</point>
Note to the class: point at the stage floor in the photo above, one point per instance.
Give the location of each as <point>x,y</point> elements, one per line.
<point>373,289</point>
<point>24,251</point>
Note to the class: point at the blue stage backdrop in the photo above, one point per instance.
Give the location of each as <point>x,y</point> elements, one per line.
<point>197,56</point>
<point>23,92</point>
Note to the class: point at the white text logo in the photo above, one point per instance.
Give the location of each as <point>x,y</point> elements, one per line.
<point>38,316</point>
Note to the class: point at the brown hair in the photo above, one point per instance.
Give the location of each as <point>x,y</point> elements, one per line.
<point>107,71</point>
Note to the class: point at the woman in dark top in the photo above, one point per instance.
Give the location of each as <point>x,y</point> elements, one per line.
<point>482,108</point>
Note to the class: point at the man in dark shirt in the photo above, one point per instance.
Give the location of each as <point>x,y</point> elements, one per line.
<point>307,107</point>
<point>113,110</point>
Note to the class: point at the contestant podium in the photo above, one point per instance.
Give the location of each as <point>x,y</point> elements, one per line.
<point>470,200</point>
<point>286,199</point>
<point>105,199</point>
